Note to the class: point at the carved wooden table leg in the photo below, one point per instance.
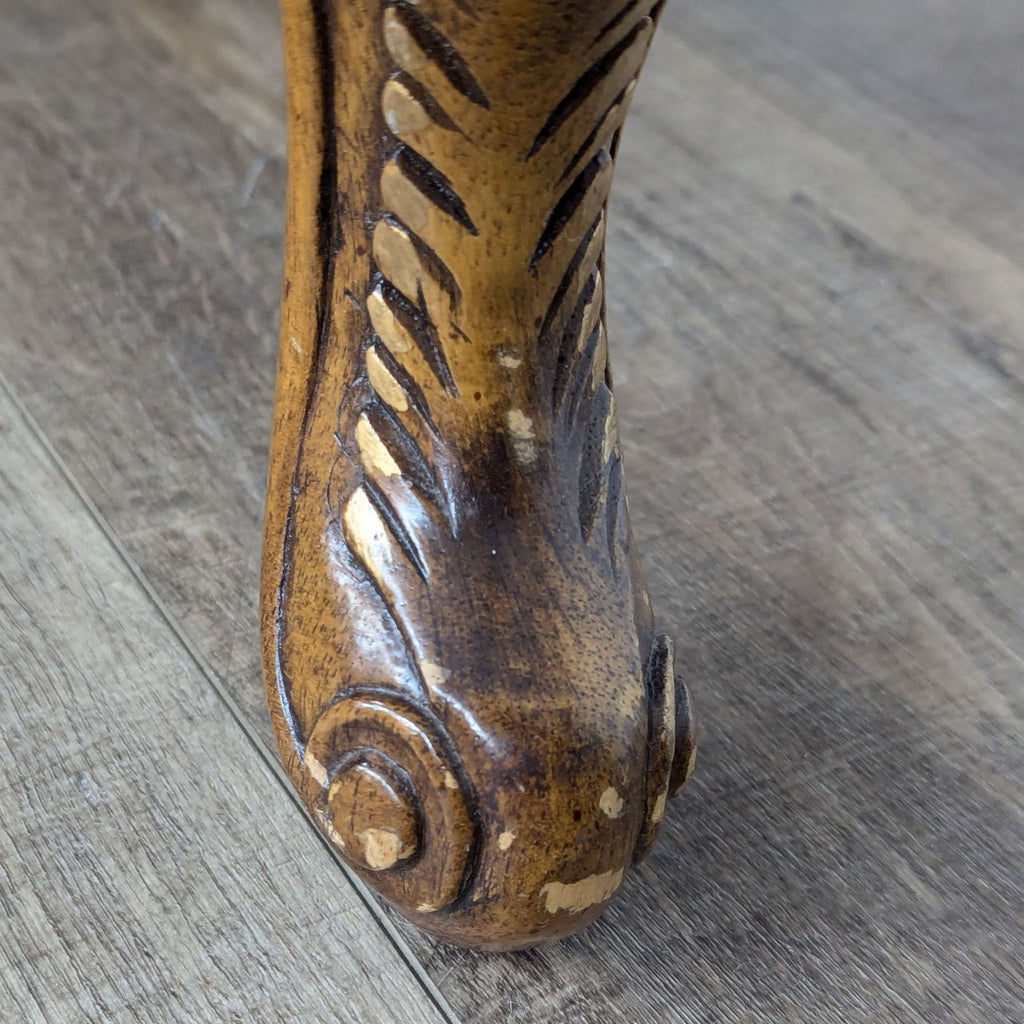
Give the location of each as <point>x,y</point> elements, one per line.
<point>463,671</point>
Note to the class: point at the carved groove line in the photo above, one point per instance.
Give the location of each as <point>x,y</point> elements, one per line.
<point>618,65</point>
<point>329,243</point>
<point>402,504</point>
<point>411,306</point>
<point>416,294</point>
<point>582,402</point>
<point>364,724</point>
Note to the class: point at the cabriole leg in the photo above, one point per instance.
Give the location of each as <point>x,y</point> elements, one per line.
<point>464,676</point>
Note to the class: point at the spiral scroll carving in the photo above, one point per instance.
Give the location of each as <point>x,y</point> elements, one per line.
<point>388,739</point>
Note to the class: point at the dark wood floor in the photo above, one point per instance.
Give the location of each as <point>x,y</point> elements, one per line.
<point>816,278</point>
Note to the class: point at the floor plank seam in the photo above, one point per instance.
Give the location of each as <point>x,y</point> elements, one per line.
<point>268,758</point>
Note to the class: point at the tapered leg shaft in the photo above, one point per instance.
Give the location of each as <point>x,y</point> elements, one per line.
<point>466,683</point>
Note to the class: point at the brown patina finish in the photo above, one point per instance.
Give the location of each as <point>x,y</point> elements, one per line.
<point>466,683</point>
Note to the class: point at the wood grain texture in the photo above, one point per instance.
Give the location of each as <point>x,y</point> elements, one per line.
<point>152,868</point>
<point>816,293</point>
<point>465,679</point>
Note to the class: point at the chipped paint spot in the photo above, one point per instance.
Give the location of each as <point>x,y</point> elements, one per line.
<point>659,809</point>
<point>295,345</point>
<point>406,201</point>
<point>388,329</point>
<point>316,769</point>
<point>400,43</point>
<point>434,675</point>
<point>396,254</point>
<point>329,830</point>
<point>575,897</point>
<point>523,438</point>
<point>364,525</point>
<point>600,358</point>
<point>450,781</point>
<point>611,803</point>
<point>426,908</point>
<point>510,360</point>
<point>384,382</point>
<point>506,839</point>
<point>591,313</point>
<point>402,112</point>
<point>611,431</point>
<point>596,246</point>
<point>383,848</point>
<point>373,450</point>
<point>520,424</point>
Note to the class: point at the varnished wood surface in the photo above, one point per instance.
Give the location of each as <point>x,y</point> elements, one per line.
<point>464,672</point>
<point>817,321</point>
